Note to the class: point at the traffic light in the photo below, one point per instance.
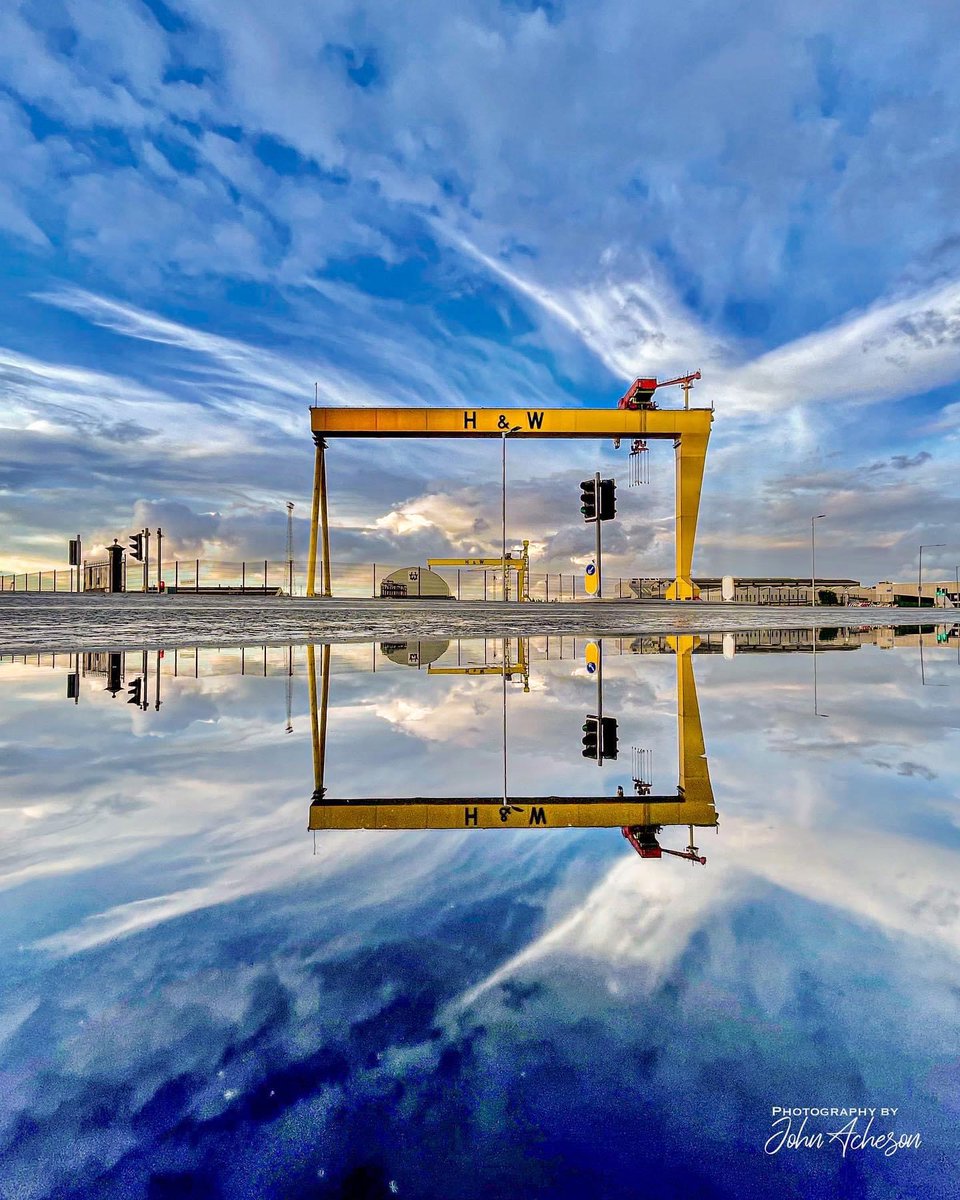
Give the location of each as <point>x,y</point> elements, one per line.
<point>136,691</point>
<point>608,739</point>
<point>591,739</point>
<point>588,499</point>
<point>608,499</point>
<point>136,546</point>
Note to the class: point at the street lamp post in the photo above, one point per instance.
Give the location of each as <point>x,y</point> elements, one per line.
<point>813,556</point>
<point>503,506</point>
<point>929,546</point>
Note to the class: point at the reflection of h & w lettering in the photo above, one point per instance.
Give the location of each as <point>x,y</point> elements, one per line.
<point>470,816</point>
<point>470,420</point>
<point>535,420</point>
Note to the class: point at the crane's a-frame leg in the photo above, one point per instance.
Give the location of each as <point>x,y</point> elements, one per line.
<point>319,524</point>
<point>691,454</point>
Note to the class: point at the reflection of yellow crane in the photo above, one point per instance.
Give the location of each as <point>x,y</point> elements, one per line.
<point>521,565</point>
<point>695,805</point>
<point>692,803</point>
<point>520,666</point>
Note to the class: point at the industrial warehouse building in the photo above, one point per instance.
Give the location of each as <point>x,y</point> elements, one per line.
<point>754,589</point>
<point>793,590</point>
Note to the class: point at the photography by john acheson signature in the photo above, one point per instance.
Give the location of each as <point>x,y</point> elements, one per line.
<point>847,1135</point>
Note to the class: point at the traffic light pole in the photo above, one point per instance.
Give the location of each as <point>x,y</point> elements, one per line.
<point>599,552</point>
<point>146,560</point>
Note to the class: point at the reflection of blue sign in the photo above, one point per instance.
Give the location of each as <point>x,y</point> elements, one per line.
<point>592,654</point>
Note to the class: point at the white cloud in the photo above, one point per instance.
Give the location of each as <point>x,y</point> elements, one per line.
<point>623,231</point>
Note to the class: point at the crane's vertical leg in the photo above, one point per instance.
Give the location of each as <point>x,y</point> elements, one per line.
<point>691,453</point>
<point>318,477</point>
<point>324,522</point>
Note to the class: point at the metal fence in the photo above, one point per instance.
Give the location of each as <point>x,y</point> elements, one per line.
<point>216,575</point>
<point>348,579</point>
<point>63,579</point>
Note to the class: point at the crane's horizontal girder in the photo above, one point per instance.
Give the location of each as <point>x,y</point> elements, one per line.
<point>520,812</point>
<point>494,422</point>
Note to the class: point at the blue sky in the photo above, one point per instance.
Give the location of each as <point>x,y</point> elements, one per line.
<point>210,206</point>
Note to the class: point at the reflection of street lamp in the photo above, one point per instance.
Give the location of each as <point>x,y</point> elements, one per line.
<point>813,556</point>
<point>930,546</point>
<point>503,455</point>
<point>505,651</point>
<point>816,710</point>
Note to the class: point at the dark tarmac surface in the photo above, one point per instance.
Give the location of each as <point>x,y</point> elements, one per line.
<point>31,623</point>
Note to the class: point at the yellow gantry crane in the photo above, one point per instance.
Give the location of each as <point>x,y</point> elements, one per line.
<point>521,565</point>
<point>637,418</point>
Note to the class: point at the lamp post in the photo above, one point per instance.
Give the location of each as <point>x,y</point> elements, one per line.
<point>813,556</point>
<point>503,503</point>
<point>929,546</point>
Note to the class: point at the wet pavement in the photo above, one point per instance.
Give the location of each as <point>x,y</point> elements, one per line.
<point>32,622</point>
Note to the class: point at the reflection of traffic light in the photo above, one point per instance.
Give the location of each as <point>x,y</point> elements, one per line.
<point>591,738</point>
<point>600,740</point>
<point>943,635</point>
<point>608,499</point>
<point>136,546</point>
<point>136,691</point>
<point>588,499</point>
<point>608,739</point>
<point>114,683</point>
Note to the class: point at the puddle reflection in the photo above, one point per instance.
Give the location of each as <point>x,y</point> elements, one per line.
<point>417,918</point>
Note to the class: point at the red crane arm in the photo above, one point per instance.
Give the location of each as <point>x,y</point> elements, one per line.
<point>640,392</point>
